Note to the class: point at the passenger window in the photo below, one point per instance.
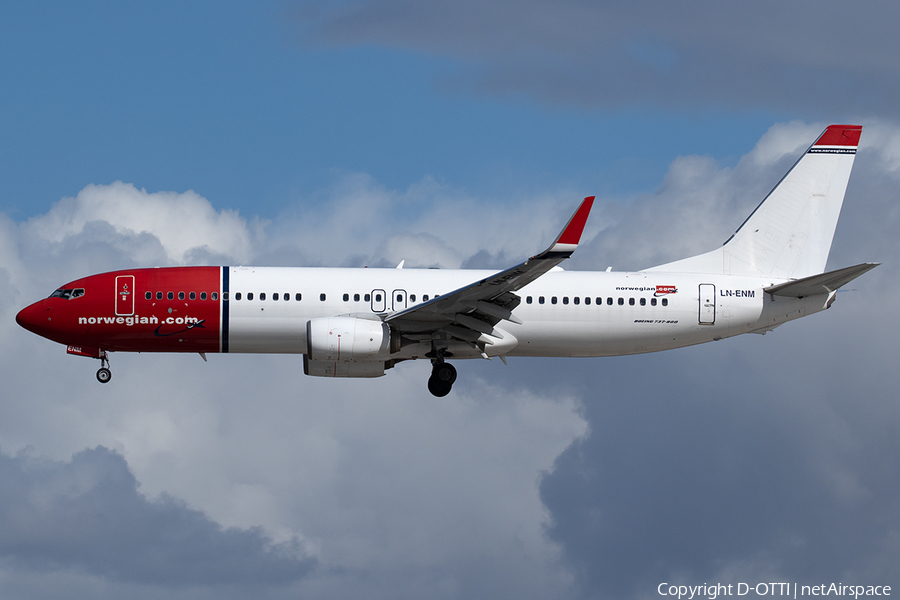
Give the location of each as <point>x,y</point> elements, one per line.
<point>377,297</point>
<point>553,300</point>
<point>298,296</point>
<point>159,295</point>
<point>587,299</point>
<point>203,295</point>
<point>249,295</point>
<point>540,299</point>
<point>346,297</point>
<point>652,301</point>
<point>425,298</point>
<point>399,297</point>
<point>170,295</point>
<point>621,301</point>
<point>285,296</point>
<point>631,302</point>
<point>665,301</point>
<point>643,302</point>
<point>565,299</point>
<point>321,297</point>
<point>262,295</point>
<point>148,295</point>
<point>412,297</point>
<point>528,300</point>
<point>275,296</point>
<point>193,296</point>
<point>356,297</point>
<point>181,295</point>
<point>576,300</point>
<point>237,295</point>
<point>367,297</point>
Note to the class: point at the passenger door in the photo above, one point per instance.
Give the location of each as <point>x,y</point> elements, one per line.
<point>398,300</point>
<point>379,301</point>
<point>707,304</point>
<point>124,295</point>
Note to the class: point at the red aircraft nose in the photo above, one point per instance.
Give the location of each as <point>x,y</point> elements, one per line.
<point>35,318</point>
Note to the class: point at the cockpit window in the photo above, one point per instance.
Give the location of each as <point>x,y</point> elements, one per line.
<point>68,294</point>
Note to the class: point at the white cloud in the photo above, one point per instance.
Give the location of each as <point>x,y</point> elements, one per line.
<point>179,222</point>
<point>360,223</point>
<point>399,494</point>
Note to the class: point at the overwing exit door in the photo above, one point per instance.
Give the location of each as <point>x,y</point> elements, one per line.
<point>398,300</point>
<point>379,301</point>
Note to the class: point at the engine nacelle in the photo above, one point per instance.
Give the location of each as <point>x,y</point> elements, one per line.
<point>346,339</point>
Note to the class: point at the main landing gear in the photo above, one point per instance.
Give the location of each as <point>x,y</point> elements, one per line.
<point>103,373</point>
<point>443,374</point>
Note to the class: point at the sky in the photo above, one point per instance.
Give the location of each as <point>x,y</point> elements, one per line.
<point>447,135</point>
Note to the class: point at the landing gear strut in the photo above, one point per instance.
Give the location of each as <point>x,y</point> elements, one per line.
<point>103,373</point>
<point>443,374</point>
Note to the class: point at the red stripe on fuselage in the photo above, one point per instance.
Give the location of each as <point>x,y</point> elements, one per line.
<point>156,325</point>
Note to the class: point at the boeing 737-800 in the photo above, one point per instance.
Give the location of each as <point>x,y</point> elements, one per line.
<point>349,322</point>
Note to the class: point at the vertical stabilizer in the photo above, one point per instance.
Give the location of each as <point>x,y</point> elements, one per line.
<point>789,234</point>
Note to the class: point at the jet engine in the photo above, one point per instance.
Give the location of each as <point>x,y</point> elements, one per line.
<point>346,339</point>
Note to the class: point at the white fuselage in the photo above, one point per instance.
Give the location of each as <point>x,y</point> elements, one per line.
<point>564,313</point>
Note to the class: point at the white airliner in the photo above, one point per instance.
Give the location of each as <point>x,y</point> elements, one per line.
<point>362,322</point>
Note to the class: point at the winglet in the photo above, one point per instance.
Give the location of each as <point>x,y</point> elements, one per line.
<point>571,234</point>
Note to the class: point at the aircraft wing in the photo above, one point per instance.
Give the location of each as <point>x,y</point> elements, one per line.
<point>470,313</point>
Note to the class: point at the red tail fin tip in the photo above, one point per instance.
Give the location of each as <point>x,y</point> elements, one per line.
<point>840,135</point>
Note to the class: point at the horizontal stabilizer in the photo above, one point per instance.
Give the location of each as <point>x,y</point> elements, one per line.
<point>824,283</point>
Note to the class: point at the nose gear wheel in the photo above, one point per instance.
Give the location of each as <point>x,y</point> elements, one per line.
<point>103,373</point>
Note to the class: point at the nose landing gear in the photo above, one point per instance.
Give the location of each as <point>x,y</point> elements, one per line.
<point>103,373</point>
<point>443,374</point>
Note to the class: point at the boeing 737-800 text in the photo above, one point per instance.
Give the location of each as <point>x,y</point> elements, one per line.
<point>361,322</point>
